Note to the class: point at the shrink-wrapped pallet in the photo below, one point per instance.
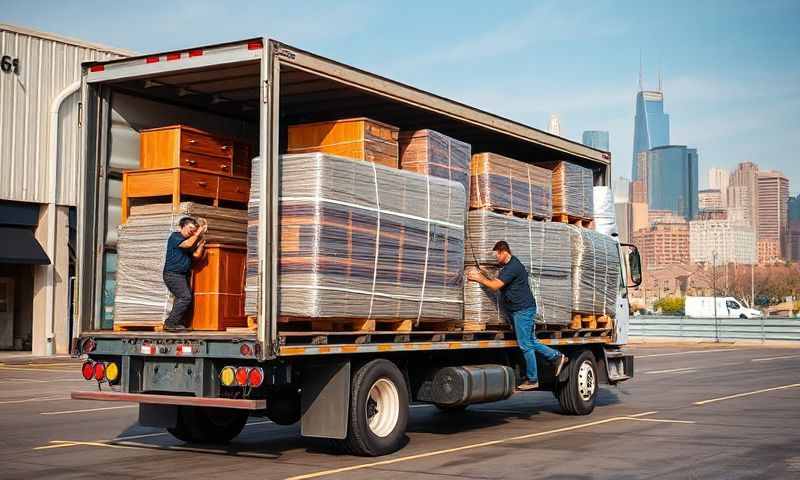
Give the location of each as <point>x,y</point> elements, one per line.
<point>251,286</point>
<point>432,153</point>
<point>572,190</point>
<point>595,272</point>
<point>502,183</point>
<point>542,247</point>
<point>360,240</point>
<point>604,214</point>
<point>141,296</point>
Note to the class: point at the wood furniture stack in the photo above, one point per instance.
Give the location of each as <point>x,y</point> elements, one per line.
<point>356,138</point>
<point>179,163</point>
<point>595,278</point>
<point>573,198</point>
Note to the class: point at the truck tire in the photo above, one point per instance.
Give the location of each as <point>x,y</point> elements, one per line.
<point>208,424</point>
<point>742,315</point>
<point>284,408</point>
<point>378,410</point>
<point>578,394</point>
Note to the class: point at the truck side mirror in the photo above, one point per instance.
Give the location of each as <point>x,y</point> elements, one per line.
<point>634,265</point>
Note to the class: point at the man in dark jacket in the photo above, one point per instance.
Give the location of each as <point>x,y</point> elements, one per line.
<point>182,246</point>
<point>518,301</point>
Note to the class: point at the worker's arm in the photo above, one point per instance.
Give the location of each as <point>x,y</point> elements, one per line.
<point>200,250</point>
<point>493,284</point>
<point>194,238</point>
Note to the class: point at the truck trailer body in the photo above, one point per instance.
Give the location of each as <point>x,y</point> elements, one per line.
<point>351,386</point>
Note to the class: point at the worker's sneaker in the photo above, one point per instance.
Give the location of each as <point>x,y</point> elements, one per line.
<point>528,385</point>
<point>562,360</point>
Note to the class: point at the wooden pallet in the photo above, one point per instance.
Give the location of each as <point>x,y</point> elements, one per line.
<point>516,214</point>
<point>565,333</point>
<point>572,220</point>
<point>299,324</point>
<point>580,321</point>
<point>138,327</point>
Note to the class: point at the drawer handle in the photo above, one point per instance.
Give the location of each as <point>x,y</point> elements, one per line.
<point>223,166</point>
<point>191,140</point>
<point>191,162</point>
<point>225,147</point>
<point>202,183</point>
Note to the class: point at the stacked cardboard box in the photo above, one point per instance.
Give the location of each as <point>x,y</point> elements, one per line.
<point>502,183</point>
<point>544,249</point>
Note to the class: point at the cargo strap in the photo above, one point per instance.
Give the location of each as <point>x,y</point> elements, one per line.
<point>377,239</point>
<point>427,249</point>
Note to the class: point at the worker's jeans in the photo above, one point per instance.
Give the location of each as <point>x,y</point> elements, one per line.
<point>178,285</point>
<point>525,330</point>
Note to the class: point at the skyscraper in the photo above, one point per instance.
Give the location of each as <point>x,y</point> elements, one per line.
<point>596,139</point>
<point>742,192</point>
<point>554,125</point>
<point>621,187</point>
<point>651,125</point>
<point>773,210</point>
<point>718,179</point>
<point>672,182</point>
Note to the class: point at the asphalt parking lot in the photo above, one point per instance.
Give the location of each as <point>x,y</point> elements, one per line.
<point>693,411</point>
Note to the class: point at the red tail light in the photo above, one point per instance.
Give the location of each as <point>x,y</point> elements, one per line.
<point>256,377</point>
<point>242,374</point>
<point>245,350</point>
<point>99,371</point>
<point>255,45</point>
<point>87,370</point>
<point>97,68</point>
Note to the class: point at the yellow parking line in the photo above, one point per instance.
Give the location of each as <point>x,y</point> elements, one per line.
<point>746,394</point>
<point>774,358</point>
<point>85,410</point>
<point>465,447</point>
<point>658,420</point>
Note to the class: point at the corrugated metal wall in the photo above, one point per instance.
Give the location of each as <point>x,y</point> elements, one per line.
<point>47,66</point>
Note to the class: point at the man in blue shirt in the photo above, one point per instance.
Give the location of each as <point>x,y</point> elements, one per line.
<point>182,246</point>
<point>518,301</point>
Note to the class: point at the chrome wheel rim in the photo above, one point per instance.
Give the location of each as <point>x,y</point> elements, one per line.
<point>586,381</point>
<point>382,407</point>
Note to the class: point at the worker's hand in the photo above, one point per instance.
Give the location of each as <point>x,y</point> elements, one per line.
<point>201,243</point>
<point>202,229</point>
<point>474,275</point>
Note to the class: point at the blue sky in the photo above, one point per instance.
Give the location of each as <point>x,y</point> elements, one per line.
<point>731,69</point>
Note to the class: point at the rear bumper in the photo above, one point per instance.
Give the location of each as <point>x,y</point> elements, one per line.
<point>242,404</point>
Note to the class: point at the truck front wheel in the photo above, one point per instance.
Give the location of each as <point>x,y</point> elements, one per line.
<point>378,409</point>
<point>578,394</point>
<point>208,425</point>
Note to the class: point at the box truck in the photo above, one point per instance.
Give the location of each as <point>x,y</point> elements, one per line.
<point>352,387</point>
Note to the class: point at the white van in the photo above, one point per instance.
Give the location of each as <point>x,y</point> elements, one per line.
<point>727,307</point>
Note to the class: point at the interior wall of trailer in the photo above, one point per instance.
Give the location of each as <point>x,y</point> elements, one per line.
<point>129,116</point>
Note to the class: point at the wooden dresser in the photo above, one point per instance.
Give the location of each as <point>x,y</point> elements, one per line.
<point>358,138</point>
<point>185,163</point>
<point>218,286</point>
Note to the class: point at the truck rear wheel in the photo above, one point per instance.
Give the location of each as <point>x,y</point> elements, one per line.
<point>578,394</point>
<point>284,408</point>
<point>378,409</point>
<point>208,425</point>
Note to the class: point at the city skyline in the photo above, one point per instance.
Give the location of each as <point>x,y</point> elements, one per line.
<point>730,75</point>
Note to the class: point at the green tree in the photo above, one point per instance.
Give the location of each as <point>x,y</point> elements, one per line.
<point>670,305</point>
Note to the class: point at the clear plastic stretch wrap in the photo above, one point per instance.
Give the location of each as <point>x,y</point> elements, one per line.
<point>251,285</point>
<point>572,190</point>
<point>431,153</point>
<point>595,272</point>
<point>141,295</point>
<point>604,215</point>
<point>544,249</point>
<point>503,183</point>
<point>362,240</point>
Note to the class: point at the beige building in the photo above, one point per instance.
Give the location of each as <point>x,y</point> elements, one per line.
<point>708,199</point>
<point>718,179</point>
<point>730,241</point>
<point>773,210</point>
<point>663,242</point>
<point>769,251</point>
<point>742,191</point>
<point>39,165</point>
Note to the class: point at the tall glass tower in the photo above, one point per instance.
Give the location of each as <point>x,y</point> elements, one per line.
<point>596,139</point>
<point>651,125</point>
<point>672,180</point>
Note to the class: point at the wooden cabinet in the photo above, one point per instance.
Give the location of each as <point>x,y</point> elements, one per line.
<point>218,286</point>
<point>358,138</point>
<point>179,183</point>
<point>182,146</point>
